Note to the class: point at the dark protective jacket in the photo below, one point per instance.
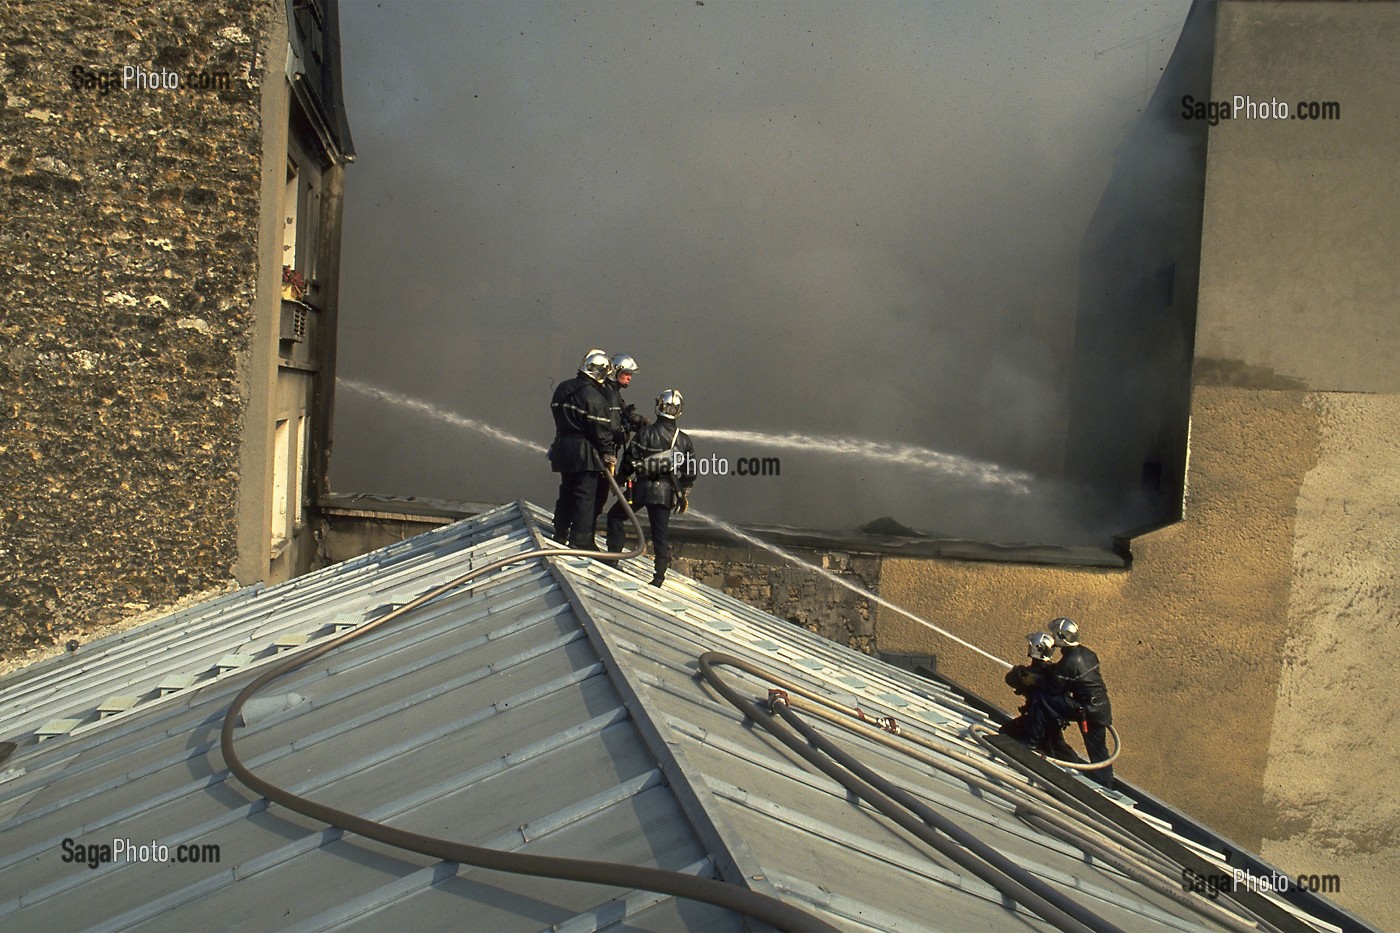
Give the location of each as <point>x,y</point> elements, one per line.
<point>583,427</point>
<point>1079,677</point>
<point>1037,675</point>
<point>626,419</point>
<point>663,445</point>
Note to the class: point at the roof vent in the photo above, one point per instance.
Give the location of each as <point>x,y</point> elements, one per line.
<point>259,708</point>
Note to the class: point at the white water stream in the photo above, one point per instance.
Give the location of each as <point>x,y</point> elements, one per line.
<point>914,456</point>
<point>919,458</point>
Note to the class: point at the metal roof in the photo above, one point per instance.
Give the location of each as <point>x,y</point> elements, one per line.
<point>554,709</point>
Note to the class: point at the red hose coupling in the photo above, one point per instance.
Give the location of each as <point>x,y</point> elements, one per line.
<point>775,697</point>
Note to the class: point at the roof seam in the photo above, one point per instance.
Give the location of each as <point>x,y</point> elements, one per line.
<point>731,856</point>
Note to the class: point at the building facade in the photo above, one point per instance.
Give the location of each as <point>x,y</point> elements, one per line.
<point>166,411</point>
<point>1248,648</point>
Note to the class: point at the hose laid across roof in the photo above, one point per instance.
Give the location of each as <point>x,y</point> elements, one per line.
<point>1009,879</point>
<point>743,901</point>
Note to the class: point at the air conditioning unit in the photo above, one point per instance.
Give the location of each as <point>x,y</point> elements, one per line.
<point>293,321</point>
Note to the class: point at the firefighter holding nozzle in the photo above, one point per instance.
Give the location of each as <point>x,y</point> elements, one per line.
<point>1070,690</point>
<point>659,467</point>
<point>1031,681</point>
<point>625,420</point>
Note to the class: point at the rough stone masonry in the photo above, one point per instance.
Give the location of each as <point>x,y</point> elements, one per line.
<point>127,269</point>
<point>789,592</point>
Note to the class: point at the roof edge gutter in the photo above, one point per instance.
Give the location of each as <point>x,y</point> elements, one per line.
<point>1255,903</point>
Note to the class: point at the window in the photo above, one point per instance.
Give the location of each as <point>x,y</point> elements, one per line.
<point>1168,279</point>
<point>299,473</point>
<point>1152,476</point>
<point>281,447</point>
<point>290,203</point>
<point>301,206</point>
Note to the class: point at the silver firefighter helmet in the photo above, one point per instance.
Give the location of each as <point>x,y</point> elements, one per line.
<point>622,363</point>
<point>1065,630</point>
<point>669,404</point>
<point>1040,646</point>
<point>596,366</point>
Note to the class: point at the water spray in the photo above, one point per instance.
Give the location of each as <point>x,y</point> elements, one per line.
<point>907,455</point>
<point>893,453</point>
<point>439,414</point>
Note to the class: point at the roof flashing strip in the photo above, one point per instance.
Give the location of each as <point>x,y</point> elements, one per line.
<point>732,858</point>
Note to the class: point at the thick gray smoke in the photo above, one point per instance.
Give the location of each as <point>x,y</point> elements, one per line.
<point>848,219</point>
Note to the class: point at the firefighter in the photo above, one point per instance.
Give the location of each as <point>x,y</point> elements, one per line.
<point>1080,696</point>
<point>1029,681</point>
<point>622,369</point>
<point>583,449</point>
<point>625,419</point>
<point>659,465</point>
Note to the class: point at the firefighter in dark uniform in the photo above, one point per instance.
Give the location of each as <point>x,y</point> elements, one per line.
<point>626,419</point>
<point>583,449</point>
<point>1081,697</point>
<point>1029,681</point>
<point>659,465</point>
<point>622,369</point>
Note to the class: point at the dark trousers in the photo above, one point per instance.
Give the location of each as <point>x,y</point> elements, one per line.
<point>1048,710</point>
<point>659,518</point>
<point>1052,741</point>
<point>604,490</point>
<point>573,513</point>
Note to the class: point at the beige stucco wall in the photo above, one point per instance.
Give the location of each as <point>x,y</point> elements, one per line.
<point>1299,259</point>
<point>1249,648</point>
<point>1334,752</point>
<point>1189,638</point>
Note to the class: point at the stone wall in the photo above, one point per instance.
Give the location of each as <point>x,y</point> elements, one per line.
<point>804,598</point>
<point>127,270</point>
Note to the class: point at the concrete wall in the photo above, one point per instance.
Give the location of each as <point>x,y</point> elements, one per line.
<point>1249,648</point>
<point>1301,283</point>
<point>343,533</point>
<point>1139,270</point>
<point>127,277</point>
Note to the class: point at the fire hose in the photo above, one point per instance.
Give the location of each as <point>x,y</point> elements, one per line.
<point>1009,879</point>
<point>1085,829</point>
<point>743,901</point>
<point>1094,765</point>
<point>945,836</point>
